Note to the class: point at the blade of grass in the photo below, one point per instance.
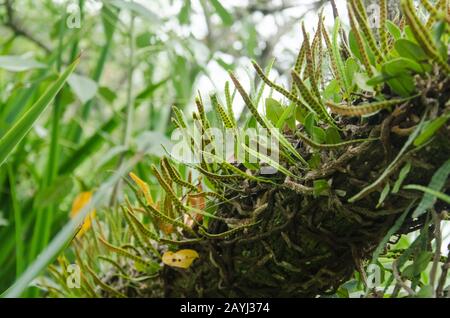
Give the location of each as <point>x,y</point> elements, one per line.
<point>16,133</point>
<point>52,163</point>
<point>444,197</point>
<point>20,265</point>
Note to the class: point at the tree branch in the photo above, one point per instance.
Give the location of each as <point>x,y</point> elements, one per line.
<point>12,23</point>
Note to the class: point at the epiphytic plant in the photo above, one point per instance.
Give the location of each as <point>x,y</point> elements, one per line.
<point>363,117</point>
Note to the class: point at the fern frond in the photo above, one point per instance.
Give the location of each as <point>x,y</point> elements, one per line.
<point>124,253</point>
<point>365,109</point>
<point>222,113</point>
<point>331,54</point>
<point>247,100</point>
<point>104,286</point>
<point>201,111</point>
<point>181,121</point>
<point>361,16</point>
<point>309,98</point>
<point>229,101</point>
<point>168,189</point>
<point>382,29</point>
<point>422,35</point>
<point>175,176</point>
<point>300,58</point>
<point>291,96</point>
<point>310,64</point>
<point>360,42</point>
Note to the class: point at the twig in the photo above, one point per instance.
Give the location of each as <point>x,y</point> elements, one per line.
<point>437,253</point>
<point>20,31</point>
<point>443,278</point>
<point>399,280</point>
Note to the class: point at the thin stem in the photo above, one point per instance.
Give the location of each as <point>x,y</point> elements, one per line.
<point>129,111</point>
<point>400,281</point>
<point>18,30</point>
<point>20,265</point>
<point>437,252</point>
<point>130,98</point>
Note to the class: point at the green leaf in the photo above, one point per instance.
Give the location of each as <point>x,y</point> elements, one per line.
<point>225,16</point>
<point>377,79</point>
<point>354,48</point>
<point>383,194</point>
<point>425,292</point>
<point>287,117</point>
<point>183,16</point>
<point>410,50</point>
<point>144,40</point>
<point>83,87</point>
<point>437,182</point>
<point>17,132</point>
<point>401,176</point>
<point>332,91</point>
<point>251,39</point>
<point>402,84</point>
<point>310,122</point>
<point>409,34</point>
<point>394,30</point>
<point>332,136</point>
<point>382,245</point>
<point>318,135</point>
<point>400,65</point>
<point>19,63</point>
<point>315,161</point>
<point>55,193</point>
<point>320,187</point>
<point>150,89</point>
<point>107,94</point>
<point>274,110</point>
<point>444,197</point>
<point>437,32</point>
<point>419,265</point>
<point>267,160</point>
<point>351,67</point>
<point>397,75</point>
<point>149,268</point>
<point>337,55</point>
<point>430,129</point>
<point>109,19</point>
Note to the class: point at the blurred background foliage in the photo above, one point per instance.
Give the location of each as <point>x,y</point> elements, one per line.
<point>138,58</point>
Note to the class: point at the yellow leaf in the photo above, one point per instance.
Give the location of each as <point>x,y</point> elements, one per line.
<point>80,201</point>
<point>167,228</point>
<point>143,187</point>
<point>181,259</point>
<point>197,202</point>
